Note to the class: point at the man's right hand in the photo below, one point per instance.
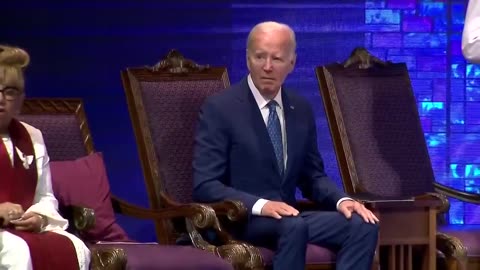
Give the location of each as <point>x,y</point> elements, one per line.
<point>278,209</point>
<point>10,211</point>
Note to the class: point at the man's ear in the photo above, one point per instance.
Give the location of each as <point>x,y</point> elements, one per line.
<point>293,61</point>
<point>247,60</point>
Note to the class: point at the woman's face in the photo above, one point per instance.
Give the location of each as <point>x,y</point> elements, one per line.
<point>11,100</point>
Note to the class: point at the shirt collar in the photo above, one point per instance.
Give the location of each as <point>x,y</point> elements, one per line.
<point>261,101</point>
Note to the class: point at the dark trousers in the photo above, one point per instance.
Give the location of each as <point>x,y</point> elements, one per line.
<point>353,240</point>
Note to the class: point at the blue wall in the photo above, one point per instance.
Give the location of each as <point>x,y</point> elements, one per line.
<point>78,49</point>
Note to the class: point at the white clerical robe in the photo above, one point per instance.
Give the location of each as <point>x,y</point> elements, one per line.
<point>44,203</point>
<point>471,32</point>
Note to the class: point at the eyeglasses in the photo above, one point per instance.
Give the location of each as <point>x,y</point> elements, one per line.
<point>10,93</point>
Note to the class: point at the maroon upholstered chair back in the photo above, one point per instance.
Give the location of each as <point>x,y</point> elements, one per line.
<point>376,129</point>
<point>59,121</point>
<point>164,109</point>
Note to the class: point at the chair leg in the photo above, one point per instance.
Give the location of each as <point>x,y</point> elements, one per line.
<point>455,264</point>
<point>376,259</point>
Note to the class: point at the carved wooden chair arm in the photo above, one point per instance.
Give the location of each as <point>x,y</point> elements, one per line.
<point>457,194</point>
<point>108,259</point>
<point>82,218</point>
<point>198,217</point>
<point>241,255</point>
<point>233,210</point>
<point>171,212</point>
<point>452,248</point>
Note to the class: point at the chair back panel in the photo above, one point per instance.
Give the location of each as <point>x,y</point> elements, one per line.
<point>63,125</point>
<point>164,109</point>
<point>378,128</point>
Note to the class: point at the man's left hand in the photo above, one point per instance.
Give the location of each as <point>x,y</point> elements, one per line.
<point>348,207</point>
<point>30,221</point>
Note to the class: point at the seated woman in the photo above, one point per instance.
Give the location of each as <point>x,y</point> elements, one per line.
<point>32,232</point>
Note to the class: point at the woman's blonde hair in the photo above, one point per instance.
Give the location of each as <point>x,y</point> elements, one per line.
<point>13,61</point>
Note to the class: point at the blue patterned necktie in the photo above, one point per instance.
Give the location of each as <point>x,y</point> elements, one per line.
<point>275,132</point>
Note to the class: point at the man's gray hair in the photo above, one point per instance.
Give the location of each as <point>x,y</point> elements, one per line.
<point>272,25</point>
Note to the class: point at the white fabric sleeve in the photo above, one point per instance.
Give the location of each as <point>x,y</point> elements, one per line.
<point>44,202</point>
<point>471,32</point>
<point>257,207</point>
<point>343,199</point>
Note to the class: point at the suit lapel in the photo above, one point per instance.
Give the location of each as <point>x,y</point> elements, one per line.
<point>290,126</point>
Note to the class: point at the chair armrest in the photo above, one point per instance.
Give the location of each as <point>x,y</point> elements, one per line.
<point>430,200</point>
<point>381,202</point>
<point>82,218</point>
<point>195,211</point>
<point>110,258</point>
<point>457,194</point>
<point>200,216</point>
<point>233,210</point>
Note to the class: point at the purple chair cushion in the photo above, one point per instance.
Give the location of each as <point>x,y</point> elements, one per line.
<point>84,182</point>
<point>468,234</point>
<point>143,256</point>
<point>315,255</point>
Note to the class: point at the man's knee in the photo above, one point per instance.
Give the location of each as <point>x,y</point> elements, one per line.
<point>294,226</point>
<point>358,225</point>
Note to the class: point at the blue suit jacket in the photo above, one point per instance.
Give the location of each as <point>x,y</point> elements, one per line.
<point>234,157</point>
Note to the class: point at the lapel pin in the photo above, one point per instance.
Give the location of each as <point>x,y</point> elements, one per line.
<point>26,160</point>
<point>291,107</point>
<point>25,163</point>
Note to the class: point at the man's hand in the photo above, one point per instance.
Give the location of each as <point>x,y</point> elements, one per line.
<point>10,211</point>
<point>348,207</point>
<point>30,221</point>
<point>278,209</point>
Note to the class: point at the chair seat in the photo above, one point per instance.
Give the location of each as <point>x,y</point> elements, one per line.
<point>315,255</point>
<point>468,234</point>
<point>150,256</point>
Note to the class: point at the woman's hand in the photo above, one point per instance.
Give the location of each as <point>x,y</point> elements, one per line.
<point>30,221</point>
<point>10,211</point>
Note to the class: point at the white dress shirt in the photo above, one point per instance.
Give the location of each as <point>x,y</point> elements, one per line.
<point>262,105</point>
<point>44,202</point>
<point>471,32</point>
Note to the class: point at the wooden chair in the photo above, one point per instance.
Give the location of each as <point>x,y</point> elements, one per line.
<point>65,130</point>
<point>164,102</point>
<point>381,152</point>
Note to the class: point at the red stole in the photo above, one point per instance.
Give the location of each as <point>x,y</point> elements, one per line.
<point>18,184</point>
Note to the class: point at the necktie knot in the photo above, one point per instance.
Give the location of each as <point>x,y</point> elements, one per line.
<point>272,105</point>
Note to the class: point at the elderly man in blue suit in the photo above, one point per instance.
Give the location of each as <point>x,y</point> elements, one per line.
<point>256,142</point>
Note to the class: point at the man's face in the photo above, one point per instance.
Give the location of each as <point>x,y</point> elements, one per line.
<point>270,59</point>
<point>11,100</point>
